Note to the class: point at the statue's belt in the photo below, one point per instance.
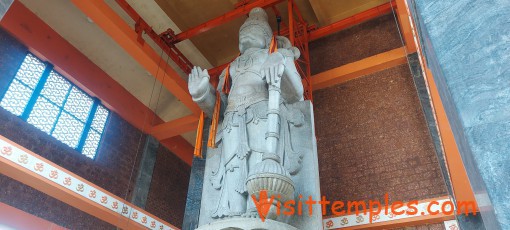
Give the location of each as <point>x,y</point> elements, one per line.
<point>240,103</point>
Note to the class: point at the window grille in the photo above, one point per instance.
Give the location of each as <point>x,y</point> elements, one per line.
<point>44,98</point>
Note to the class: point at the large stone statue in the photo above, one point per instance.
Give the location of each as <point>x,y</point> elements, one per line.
<point>255,134</point>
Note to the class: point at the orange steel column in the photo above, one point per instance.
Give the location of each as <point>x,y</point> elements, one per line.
<point>405,26</point>
<point>291,20</point>
<point>298,36</point>
<point>460,182</point>
<point>308,78</point>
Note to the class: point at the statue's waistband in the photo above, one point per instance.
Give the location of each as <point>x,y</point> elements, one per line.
<point>245,101</point>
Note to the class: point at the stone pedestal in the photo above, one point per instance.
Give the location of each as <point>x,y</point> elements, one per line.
<point>246,224</point>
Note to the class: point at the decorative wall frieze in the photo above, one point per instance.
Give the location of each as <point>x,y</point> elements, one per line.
<point>51,173</point>
<point>422,209</point>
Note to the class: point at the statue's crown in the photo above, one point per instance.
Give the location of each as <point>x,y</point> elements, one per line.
<point>258,17</point>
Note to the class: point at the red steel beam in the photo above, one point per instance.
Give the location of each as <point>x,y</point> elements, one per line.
<point>174,128</point>
<point>241,3</point>
<point>161,41</point>
<point>298,13</point>
<point>243,10</point>
<point>113,25</point>
<point>353,20</point>
<point>285,31</point>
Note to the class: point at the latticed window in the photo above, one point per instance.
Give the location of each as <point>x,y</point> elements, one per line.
<point>42,97</point>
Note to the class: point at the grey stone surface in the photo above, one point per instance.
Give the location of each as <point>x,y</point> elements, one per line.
<point>246,224</point>
<point>265,140</point>
<point>144,176</point>
<point>4,6</point>
<point>467,46</point>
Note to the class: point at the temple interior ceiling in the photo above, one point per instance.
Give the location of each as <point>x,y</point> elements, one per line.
<point>212,48</point>
<point>219,45</point>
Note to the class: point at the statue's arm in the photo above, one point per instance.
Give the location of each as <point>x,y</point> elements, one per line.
<point>292,87</point>
<point>206,101</point>
<point>202,92</point>
<point>279,66</point>
<point>224,97</point>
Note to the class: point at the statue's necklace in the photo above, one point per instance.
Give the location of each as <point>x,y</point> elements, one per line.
<point>245,61</point>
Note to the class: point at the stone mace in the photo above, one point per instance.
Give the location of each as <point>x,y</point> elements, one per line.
<point>273,118</point>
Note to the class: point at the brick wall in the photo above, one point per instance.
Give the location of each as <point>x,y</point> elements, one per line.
<point>113,169</point>
<point>355,43</point>
<point>169,187</point>
<point>12,54</point>
<point>371,131</point>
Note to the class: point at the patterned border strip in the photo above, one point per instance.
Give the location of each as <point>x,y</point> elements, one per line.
<point>71,182</point>
<point>451,225</point>
<point>362,219</point>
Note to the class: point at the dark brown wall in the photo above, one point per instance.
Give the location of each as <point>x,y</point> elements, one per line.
<point>169,187</point>
<point>371,131</point>
<point>355,43</point>
<point>113,169</point>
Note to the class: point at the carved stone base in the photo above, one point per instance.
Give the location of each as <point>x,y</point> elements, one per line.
<point>240,223</point>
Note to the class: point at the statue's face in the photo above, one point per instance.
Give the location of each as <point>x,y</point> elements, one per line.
<point>251,37</point>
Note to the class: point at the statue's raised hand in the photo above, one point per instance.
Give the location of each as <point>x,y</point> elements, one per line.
<point>273,68</point>
<point>198,82</point>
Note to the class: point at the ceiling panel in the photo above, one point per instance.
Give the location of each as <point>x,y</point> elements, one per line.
<point>212,48</point>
